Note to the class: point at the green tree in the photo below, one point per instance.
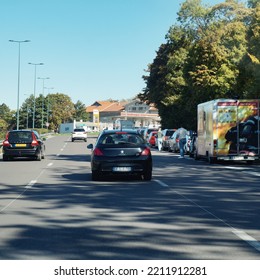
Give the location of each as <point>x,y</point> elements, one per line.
<point>249,68</point>
<point>7,119</point>
<point>200,60</point>
<point>80,112</point>
<point>26,113</point>
<point>61,110</point>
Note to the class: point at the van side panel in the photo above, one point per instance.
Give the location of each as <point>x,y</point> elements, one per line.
<point>226,118</point>
<point>229,129</point>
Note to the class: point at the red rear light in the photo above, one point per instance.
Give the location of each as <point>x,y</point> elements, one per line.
<point>34,141</point>
<point>146,152</point>
<point>98,152</point>
<point>6,142</point>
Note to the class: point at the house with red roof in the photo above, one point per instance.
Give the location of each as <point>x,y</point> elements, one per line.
<point>104,113</point>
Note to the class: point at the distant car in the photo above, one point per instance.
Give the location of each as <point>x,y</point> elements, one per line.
<point>120,152</point>
<point>79,134</point>
<point>147,132</point>
<point>23,143</point>
<point>174,142</point>
<point>166,134</point>
<point>152,138</point>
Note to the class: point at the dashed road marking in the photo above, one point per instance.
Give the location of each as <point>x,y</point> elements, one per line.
<point>31,184</point>
<point>247,238</point>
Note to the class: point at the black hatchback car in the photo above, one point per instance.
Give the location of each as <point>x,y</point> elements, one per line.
<point>23,143</point>
<point>123,152</point>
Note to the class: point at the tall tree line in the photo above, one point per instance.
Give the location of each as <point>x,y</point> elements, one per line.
<point>211,52</point>
<point>50,111</point>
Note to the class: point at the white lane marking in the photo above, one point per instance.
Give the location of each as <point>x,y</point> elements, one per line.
<point>11,202</point>
<point>247,238</point>
<point>239,233</point>
<point>161,183</point>
<point>30,185</point>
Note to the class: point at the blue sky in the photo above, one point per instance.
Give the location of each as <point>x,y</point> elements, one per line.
<point>91,49</point>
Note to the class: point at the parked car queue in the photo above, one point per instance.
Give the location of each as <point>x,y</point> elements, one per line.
<point>168,140</point>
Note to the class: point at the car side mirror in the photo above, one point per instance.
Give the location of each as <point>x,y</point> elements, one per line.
<point>90,146</point>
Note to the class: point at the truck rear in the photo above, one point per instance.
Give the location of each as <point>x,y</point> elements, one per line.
<point>228,130</point>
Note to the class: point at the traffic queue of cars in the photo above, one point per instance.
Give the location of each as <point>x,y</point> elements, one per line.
<point>116,152</point>
<point>168,140</point>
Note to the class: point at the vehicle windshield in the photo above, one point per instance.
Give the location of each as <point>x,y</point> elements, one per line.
<point>121,138</point>
<point>169,132</point>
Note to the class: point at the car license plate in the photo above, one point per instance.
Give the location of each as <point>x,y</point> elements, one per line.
<point>20,145</point>
<point>122,169</point>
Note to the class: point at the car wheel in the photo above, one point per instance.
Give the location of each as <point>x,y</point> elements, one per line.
<point>72,140</point>
<point>148,175</point>
<point>95,175</point>
<point>5,158</point>
<point>85,140</point>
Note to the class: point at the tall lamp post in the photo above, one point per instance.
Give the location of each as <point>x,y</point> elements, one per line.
<point>48,105</point>
<point>18,88</point>
<point>43,79</point>
<point>34,91</point>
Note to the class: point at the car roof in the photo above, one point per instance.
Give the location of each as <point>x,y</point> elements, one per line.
<point>114,131</point>
<point>16,130</point>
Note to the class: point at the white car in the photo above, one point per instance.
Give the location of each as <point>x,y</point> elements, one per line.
<point>79,134</point>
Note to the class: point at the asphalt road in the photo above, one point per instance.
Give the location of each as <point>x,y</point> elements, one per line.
<point>51,209</point>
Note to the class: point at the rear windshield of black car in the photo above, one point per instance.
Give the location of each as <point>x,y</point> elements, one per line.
<point>20,136</point>
<point>121,139</point>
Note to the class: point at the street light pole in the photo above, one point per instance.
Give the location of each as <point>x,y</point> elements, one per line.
<point>18,88</point>
<point>48,105</point>
<point>27,114</point>
<point>43,79</point>
<point>35,65</point>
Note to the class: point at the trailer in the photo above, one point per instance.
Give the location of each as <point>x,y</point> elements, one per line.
<point>228,129</point>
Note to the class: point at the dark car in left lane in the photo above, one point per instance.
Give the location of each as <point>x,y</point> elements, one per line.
<point>23,143</point>
<point>120,152</point>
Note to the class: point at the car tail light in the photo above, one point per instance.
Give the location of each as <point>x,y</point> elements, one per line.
<point>34,141</point>
<point>146,152</point>
<point>98,152</point>
<point>6,142</point>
